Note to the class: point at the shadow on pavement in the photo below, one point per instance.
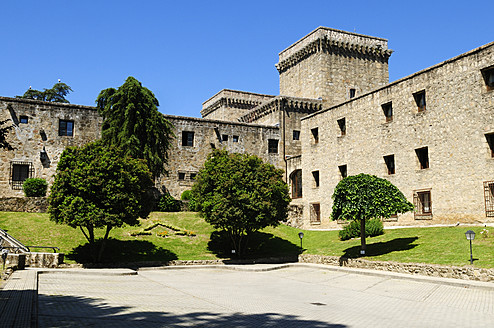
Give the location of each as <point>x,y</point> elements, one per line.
<point>77,311</point>
<point>381,248</point>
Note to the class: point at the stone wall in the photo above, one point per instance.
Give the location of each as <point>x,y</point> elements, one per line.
<point>24,204</point>
<point>459,113</point>
<point>44,260</point>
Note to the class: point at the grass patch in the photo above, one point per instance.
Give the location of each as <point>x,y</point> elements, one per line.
<point>438,245</point>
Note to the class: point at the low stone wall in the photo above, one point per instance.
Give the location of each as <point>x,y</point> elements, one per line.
<point>24,204</point>
<point>466,273</point>
<point>15,261</point>
<point>44,260</point>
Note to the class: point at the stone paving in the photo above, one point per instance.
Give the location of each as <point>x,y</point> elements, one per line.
<point>297,296</point>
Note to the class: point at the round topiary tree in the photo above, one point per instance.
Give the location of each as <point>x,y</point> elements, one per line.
<point>35,187</point>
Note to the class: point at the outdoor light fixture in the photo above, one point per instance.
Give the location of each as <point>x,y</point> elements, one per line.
<point>43,156</point>
<point>470,236</point>
<point>300,235</point>
<point>5,252</point>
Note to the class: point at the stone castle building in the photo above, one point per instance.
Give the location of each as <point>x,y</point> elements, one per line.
<point>431,134</point>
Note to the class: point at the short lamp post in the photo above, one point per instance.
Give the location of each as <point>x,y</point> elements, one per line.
<point>301,235</point>
<point>470,236</point>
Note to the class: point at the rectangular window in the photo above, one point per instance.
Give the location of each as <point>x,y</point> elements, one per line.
<point>423,157</point>
<point>66,128</point>
<point>352,93</point>
<point>423,204</point>
<point>23,119</point>
<point>490,141</point>
<point>315,175</point>
<point>315,135</point>
<point>388,111</point>
<point>390,163</point>
<point>343,171</point>
<point>315,213</point>
<point>296,135</point>
<point>224,137</point>
<point>188,138</point>
<point>489,198</point>
<point>342,126</point>
<point>420,100</point>
<point>193,176</point>
<point>488,75</point>
<point>235,138</point>
<point>19,172</point>
<point>296,180</point>
<point>273,146</point>
<point>181,175</point>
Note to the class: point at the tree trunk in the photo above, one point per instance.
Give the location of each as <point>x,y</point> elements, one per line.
<point>103,243</point>
<point>362,237</point>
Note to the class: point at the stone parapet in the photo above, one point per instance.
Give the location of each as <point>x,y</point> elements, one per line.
<point>44,260</point>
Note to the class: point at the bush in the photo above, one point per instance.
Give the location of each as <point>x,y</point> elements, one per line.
<point>187,195</point>
<point>373,227</point>
<point>168,204</point>
<point>35,187</point>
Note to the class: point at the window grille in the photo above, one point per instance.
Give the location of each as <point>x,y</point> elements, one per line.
<point>273,146</point>
<point>19,172</point>
<point>423,204</point>
<point>489,198</point>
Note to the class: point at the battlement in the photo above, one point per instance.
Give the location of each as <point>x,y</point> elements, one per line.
<point>294,104</point>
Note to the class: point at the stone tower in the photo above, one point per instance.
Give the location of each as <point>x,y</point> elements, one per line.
<point>333,65</point>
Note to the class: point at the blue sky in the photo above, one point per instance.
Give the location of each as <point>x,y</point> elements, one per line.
<point>186,51</point>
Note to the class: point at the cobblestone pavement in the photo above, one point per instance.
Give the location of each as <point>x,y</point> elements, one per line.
<point>289,297</point>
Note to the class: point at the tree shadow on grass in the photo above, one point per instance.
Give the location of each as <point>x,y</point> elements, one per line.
<point>121,251</point>
<point>260,245</point>
<point>381,248</point>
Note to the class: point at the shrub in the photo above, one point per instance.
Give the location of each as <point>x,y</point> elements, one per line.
<point>35,187</point>
<point>168,204</point>
<point>373,227</point>
<point>187,195</point>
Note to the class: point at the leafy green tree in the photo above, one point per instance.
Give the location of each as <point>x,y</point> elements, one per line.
<point>99,187</point>
<point>3,135</point>
<point>56,94</point>
<point>363,197</point>
<point>240,194</point>
<point>133,123</point>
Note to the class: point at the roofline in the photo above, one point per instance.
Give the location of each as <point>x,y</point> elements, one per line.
<point>39,102</point>
<point>197,119</point>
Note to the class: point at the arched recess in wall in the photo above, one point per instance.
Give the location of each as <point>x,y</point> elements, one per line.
<point>296,183</point>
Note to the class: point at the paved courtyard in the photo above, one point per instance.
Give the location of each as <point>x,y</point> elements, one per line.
<point>289,297</point>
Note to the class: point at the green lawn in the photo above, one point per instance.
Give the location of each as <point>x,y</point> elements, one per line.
<point>445,245</point>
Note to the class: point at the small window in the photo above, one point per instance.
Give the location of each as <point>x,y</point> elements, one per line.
<point>193,176</point>
<point>343,171</point>
<point>224,137</point>
<point>181,176</point>
<point>420,100</point>
<point>315,135</point>
<point>315,213</point>
<point>19,172</point>
<point>423,204</point>
<point>488,75</point>
<point>23,119</point>
<point>423,157</point>
<point>66,128</point>
<point>490,141</point>
<point>188,138</point>
<point>273,146</point>
<point>390,163</point>
<point>342,126</point>
<point>315,175</point>
<point>296,181</point>
<point>489,198</point>
<point>352,93</point>
<point>235,138</point>
<point>296,135</point>
<point>388,111</point>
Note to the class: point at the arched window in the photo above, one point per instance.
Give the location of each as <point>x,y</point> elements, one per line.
<point>296,181</point>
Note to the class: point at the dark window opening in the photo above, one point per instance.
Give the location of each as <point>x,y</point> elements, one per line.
<point>66,128</point>
<point>224,137</point>
<point>23,120</point>
<point>490,141</point>
<point>489,198</point>
<point>420,100</point>
<point>342,125</point>
<point>423,157</point>
<point>315,135</point>
<point>423,203</point>
<point>296,180</point>
<point>193,176</point>
<point>315,213</point>
<point>343,171</point>
<point>188,138</point>
<point>273,146</point>
<point>352,93</point>
<point>181,176</point>
<point>388,111</point>
<point>488,75</point>
<point>315,175</point>
<point>390,163</point>
<point>296,135</point>
<point>235,138</point>
<point>19,172</point>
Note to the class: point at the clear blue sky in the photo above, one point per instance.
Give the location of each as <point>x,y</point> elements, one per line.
<point>186,51</point>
